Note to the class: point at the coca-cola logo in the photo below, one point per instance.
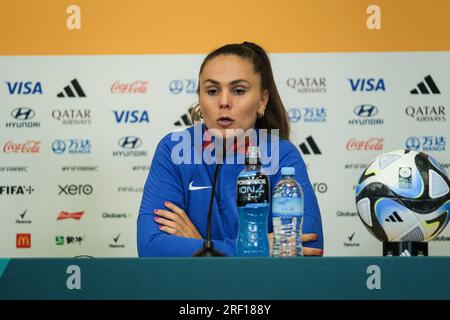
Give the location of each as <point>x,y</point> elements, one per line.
<point>371,144</point>
<point>31,146</point>
<point>138,86</point>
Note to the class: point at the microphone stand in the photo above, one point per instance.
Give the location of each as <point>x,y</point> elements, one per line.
<point>208,248</point>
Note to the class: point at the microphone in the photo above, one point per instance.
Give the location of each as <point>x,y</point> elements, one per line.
<point>208,248</point>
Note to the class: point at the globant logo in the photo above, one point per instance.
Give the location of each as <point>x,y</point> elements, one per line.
<point>426,143</point>
<point>30,146</point>
<point>138,86</point>
<point>72,146</point>
<point>308,84</point>
<point>130,144</point>
<point>72,116</point>
<point>366,112</point>
<point>183,86</point>
<point>307,114</point>
<point>23,115</point>
<point>346,214</point>
<point>116,215</point>
<point>371,144</point>
<point>426,113</point>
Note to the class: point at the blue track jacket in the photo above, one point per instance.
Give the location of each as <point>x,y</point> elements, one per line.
<point>182,185</point>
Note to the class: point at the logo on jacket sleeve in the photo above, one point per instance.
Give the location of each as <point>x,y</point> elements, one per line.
<point>194,188</point>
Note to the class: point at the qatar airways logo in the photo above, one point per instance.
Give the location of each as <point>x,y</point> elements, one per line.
<point>138,86</point>
<point>209,147</point>
<point>30,146</point>
<point>371,144</point>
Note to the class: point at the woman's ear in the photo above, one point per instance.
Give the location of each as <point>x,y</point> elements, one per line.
<point>263,102</point>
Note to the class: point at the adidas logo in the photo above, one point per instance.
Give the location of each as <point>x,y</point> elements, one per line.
<point>69,90</point>
<point>405,253</point>
<point>426,86</point>
<point>394,217</point>
<point>185,119</point>
<point>311,144</point>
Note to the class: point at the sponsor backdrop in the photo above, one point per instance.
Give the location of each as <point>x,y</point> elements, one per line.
<point>78,132</point>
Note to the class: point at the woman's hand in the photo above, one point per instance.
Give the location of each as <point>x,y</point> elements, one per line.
<point>176,222</point>
<point>307,237</point>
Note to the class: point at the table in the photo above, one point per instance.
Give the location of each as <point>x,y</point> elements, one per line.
<point>227,278</point>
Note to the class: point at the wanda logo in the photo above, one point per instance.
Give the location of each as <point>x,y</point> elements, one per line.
<point>138,86</point>
<point>372,144</point>
<point>31,146</point>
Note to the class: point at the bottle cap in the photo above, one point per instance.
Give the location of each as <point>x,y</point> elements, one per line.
<point>287,171</point>
<point>253,155</point>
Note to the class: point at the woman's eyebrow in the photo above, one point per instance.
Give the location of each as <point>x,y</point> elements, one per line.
<point>232,82</point>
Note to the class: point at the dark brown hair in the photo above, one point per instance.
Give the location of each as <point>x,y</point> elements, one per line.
<point>275,115</point>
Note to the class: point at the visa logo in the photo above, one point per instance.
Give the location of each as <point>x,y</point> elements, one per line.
<point>370,84</point>
<point>134,116</point>
<point>24,87</point>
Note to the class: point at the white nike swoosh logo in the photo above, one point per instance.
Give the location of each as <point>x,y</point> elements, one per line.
<point>192,188</point>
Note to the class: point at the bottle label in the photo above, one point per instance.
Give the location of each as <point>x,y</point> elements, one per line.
<point>287,206</point>
<point>253,189</point>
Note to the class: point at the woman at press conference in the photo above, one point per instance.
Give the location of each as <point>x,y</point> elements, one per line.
<point>236,90</point>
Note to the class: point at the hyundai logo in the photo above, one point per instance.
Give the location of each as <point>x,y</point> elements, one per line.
<point>366,110</point>
<point>412,143</point>
<point>58,146</point>
<point>130,142</point>
<point>22,113</point>
<point>294,114</point>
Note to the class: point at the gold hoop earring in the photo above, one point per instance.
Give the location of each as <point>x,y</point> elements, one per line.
<point>260,115</point>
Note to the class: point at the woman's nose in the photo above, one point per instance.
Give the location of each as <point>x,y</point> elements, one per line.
<point>224,102</point>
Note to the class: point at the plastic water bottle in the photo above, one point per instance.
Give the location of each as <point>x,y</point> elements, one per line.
<point>253,202</point>
<point>287,215</point>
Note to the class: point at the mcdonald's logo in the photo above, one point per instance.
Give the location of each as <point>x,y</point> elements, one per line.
<point>23,240</point>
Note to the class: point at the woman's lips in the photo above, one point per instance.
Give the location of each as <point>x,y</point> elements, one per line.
<point>225,122</point>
